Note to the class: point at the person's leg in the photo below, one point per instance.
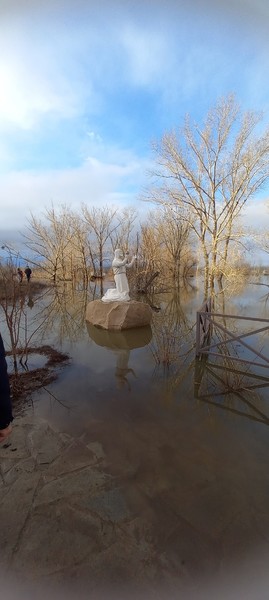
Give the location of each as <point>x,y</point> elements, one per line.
<point>6,416</point>
<point>4,433</point>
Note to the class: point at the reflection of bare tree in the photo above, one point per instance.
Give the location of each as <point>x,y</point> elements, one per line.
<point>229,335</point>
<point>11,302</point>
<point>173,349</point>
<point>15,302</point>
<point>231,389</point>
<point>57,311</point>
<point>30,313</point>
<point>222,380</point>
<point>63,313</point>
<point>173,332</point>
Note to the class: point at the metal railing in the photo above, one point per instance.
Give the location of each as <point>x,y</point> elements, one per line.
<point>206,323</point>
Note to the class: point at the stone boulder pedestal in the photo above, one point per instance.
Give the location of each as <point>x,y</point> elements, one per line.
<point>117,316</point>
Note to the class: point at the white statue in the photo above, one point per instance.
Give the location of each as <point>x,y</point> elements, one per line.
<point>119,266</point>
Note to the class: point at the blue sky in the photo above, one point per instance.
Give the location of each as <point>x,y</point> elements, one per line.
<point>86,86</point>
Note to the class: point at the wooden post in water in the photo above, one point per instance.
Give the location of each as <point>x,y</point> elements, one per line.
<point>198,345</point>
<point>203,325</point>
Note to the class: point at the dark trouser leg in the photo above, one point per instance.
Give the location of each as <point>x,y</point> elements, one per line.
<point>5,401</point>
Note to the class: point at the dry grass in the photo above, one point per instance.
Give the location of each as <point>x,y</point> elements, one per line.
<point>23,384</point>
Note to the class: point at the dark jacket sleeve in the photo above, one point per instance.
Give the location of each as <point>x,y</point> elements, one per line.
<point>5,401</point>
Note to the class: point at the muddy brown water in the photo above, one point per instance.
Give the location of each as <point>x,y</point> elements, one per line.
<point>193,466</point>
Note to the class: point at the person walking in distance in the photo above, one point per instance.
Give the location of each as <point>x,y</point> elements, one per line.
<point>20,275</point>
<point>28,273</point>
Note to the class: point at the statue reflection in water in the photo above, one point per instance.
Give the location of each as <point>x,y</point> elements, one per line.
<point>122,369</point>
<point>121,343</point>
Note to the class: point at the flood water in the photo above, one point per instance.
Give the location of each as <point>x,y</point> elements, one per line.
<point>189,445</point>
<point>126,375</point>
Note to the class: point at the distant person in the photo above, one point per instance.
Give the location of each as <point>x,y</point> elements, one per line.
<point>30,302</point>
<point>6,417</point>
<point>28,273</point>
<point>20,275</point>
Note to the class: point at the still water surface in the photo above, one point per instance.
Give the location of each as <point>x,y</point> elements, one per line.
<point>188,455</point>
<point>152,368</point>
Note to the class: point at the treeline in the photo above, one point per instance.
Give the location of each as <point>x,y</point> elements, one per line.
<point>78,246</point>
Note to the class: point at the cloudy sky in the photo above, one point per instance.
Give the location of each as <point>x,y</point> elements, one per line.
<point>86,85</point>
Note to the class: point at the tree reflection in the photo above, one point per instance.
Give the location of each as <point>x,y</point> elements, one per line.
<point>173,332</point>
<point>40,312</point>
<point>230,389</point>
<point>55,314</point>
<point>226,382</point>
<point>62,315</point>
<point>15,299</point>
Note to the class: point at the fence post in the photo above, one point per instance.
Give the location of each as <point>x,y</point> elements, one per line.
<point>198,345</point>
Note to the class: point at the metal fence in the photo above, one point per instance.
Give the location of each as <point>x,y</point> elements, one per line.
<point>206,323</point>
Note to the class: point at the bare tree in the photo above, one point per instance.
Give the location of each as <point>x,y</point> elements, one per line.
<point>51,241</point>
<point>211,172</point>
<point>121,237</point>
<point>164,252</point>
<point>150,257</point>
<point>260,238</point>
<point>102,225</point>
<point>177,258</point>
<point>81,252</point>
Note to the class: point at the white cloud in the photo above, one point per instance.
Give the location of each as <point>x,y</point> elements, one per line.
<point>59,59</point>
<point>95,183</point>
<point>41,75</point>
<point>94,137</point>
<point>28,94</point>
<point>146,52</point>
<point>256,213</point>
